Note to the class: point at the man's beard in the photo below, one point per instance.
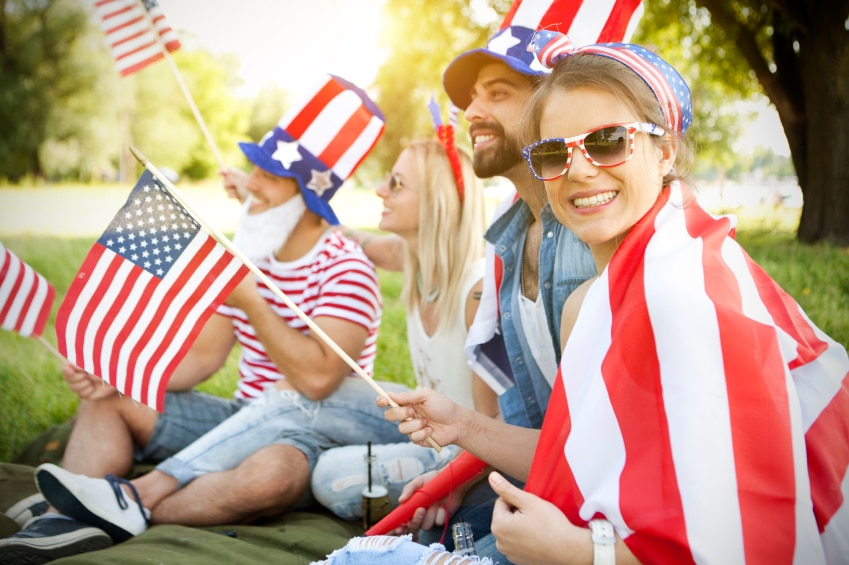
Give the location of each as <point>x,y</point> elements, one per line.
<point>263,234</point>
<point>497,160</point>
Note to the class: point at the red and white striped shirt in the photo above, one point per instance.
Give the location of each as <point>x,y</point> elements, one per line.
<point>697,407</point>
<point>335,279</point>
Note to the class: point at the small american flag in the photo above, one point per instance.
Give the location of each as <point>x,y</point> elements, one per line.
<point>25,296</point>
<point>143,294</point>
<point>136,32</point>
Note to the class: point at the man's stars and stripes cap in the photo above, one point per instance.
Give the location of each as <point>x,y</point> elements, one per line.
<point>586,22</point>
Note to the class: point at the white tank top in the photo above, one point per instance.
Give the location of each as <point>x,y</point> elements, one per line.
<point>439,361</point>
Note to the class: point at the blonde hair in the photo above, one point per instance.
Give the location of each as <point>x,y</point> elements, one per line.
<point>450,237</point>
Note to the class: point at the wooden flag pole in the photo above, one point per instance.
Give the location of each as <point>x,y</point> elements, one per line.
<point>183,87</point>
<point>223,240</point>
<point>50,348</point>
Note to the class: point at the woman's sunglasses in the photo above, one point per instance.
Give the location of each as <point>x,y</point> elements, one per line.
<point>606,146</point>
<point>395,184</point>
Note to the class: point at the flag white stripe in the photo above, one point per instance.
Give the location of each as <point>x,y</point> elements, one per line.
<point>695,395</point>
<point>38,293</point>
<point>146,318</point>
<point>100,315</point>
<point>6,288</point>
<point>357,150</point>
<point>325,127</point>
<point>594,422</point>
<point>590,21</point>
<point>79,305</point>
<point>129,303</point>
<point>191,318</point>
<point>530,12</point>
<point>296,110</point>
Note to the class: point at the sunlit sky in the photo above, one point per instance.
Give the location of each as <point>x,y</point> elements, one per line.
<point>291,43</point>
<point>287,42</point>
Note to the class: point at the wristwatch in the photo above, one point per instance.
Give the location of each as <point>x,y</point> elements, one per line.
<point>604,542</point>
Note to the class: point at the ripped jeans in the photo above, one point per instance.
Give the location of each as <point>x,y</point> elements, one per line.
<point>348,416</point>
<point>340,474</point>
<point>391,550</point>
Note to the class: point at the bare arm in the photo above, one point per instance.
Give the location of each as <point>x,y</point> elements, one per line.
<point>424,413</point>
<point>386,251</point>
<point>311,366</point>
<point>207,354</point>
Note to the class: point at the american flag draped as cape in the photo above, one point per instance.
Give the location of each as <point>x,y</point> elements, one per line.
<point>697,407</point>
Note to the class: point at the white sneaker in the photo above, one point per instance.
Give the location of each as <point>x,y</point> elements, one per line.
<point>27,508</point>
<point>97,502</point>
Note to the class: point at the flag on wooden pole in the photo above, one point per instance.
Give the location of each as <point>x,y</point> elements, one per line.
<point>136,31</point>
<point>143,293</point>
<point>25,296</point>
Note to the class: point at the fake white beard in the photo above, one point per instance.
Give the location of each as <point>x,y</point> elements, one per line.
<point>263,234</point>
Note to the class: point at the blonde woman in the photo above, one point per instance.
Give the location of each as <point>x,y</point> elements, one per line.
<point>433,208</point>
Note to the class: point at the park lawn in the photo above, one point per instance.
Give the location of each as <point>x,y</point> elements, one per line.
<point>34,396</point>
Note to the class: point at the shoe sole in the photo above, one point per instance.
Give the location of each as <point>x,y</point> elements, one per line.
<point>22,511</point>
<point>30,552</point>
<point>63,500</point>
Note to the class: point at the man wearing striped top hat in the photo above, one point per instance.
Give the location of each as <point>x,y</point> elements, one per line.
<point>235,460</point>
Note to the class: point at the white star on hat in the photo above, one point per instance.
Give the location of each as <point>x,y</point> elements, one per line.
<point>502,42</point>
<point>287,153</point>
<point>320,182</point>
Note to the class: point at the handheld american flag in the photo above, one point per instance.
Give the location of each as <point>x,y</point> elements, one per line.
<point>25,296</point>
<point>143,293</point>
<point>136,32</point>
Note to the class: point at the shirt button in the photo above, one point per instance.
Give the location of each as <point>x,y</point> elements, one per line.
<point>549,235</point>
<point>547,285</point>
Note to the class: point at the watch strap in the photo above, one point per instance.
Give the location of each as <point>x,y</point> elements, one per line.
<point>604,542</point>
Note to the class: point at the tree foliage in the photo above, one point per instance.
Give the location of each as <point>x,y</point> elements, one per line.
<point>797,52</point>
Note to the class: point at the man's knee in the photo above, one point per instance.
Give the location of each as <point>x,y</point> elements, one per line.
<point>274,478</point>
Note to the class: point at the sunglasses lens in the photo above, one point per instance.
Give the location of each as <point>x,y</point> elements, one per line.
<point>608,146</point>
<point>549,159</point>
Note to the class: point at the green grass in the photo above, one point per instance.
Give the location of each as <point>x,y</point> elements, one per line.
<point>34,396</point>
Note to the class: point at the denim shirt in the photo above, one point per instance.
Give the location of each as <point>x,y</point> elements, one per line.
<point>564,264</point>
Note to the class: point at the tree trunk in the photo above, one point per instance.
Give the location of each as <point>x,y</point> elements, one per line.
<point>824,66</point>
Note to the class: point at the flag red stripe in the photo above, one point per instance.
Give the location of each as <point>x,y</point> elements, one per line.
<point>45,310</point>
<point>159,309</point>
<point>348,133</point>
<point>827,444</point>
<point>199,295</point>
<point>620,18</point>
<point>305,117</point>
<point>138,66</point>
<point>764,462</point>
<point>140,303</point>
<point>14,290</point>
<point>628,397</point>
<point>191,274</point>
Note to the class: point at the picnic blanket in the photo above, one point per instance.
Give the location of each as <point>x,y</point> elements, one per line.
<point>296,538</point>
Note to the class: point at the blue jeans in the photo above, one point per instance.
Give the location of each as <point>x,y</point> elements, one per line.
<point>340,474</point>
<point>348,416</point>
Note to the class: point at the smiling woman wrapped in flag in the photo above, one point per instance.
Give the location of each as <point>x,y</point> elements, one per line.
<point>698,415</point>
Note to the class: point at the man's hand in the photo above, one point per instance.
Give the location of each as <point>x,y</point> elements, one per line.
<point>234,181</point>
<point>86,385</point>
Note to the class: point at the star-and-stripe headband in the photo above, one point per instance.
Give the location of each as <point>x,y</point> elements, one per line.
<point>445,133</point>
<point>668,86</point>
